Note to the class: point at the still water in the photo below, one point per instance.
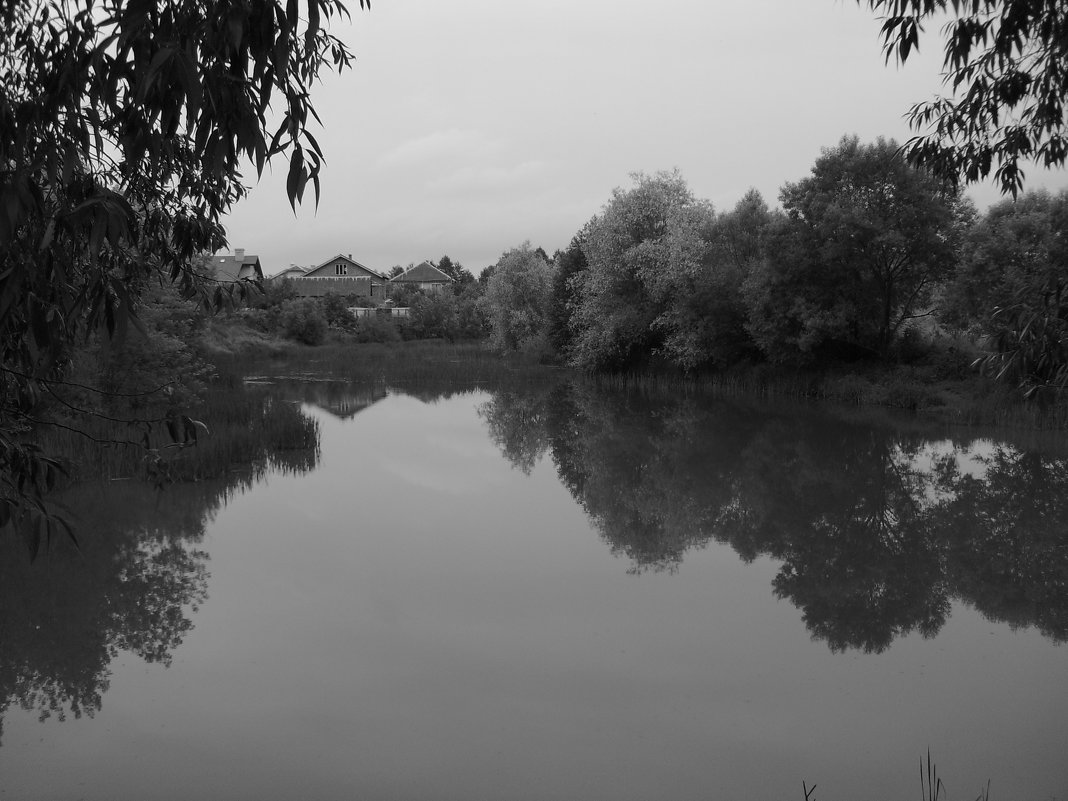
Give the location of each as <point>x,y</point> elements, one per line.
<point>555,591</point>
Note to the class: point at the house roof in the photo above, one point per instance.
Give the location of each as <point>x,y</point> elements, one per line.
<point>423,273</point>
<point>329,263</point>
<point>292,269</point>
<point>233,268</point>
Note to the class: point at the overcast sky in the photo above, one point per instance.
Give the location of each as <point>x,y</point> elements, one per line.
<point>469,126</point>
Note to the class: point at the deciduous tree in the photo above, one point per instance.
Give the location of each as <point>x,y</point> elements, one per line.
<point>123,130</point>
<point>612,323</point>
<point>1006,66</point>
<point>516,300</point>
<point>865,239</point>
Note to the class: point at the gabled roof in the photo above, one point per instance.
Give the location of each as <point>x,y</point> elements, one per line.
<point>328,267</point>
<point>423,273</point>
<point>292,270</point>
<point>237,267</point>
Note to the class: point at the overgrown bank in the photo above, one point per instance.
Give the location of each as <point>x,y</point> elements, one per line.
<point>942,387</point>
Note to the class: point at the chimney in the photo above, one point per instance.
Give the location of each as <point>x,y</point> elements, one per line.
<point>239,254</point>
<point>350,257</point>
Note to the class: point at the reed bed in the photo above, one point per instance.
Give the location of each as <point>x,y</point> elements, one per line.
<point>243,429</point>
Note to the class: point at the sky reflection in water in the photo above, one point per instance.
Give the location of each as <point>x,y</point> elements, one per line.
<point>554,593</point>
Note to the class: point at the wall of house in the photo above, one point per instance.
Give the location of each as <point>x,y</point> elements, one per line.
<point>357,285</point>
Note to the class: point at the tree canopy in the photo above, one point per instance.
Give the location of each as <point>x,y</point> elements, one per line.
<point>626,249</point>
<point>516,300</point>
<point>865,239</point>
<point>1006,64</point>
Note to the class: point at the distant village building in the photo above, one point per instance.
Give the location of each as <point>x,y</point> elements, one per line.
<point>341,275</point>
<point>238,267</point>
<point>292,271</point>
<point>424,276</point>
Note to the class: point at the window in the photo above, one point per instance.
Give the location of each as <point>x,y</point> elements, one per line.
<point>341,269</point>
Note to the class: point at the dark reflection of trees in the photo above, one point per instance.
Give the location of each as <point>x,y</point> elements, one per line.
<point>138,574</point>
<point>1007,538</point>
<point>843,507</point>
<point>514,420</point>
<point>873,542</point>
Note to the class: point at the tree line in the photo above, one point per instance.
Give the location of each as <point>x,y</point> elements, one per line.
<point>868,259</point>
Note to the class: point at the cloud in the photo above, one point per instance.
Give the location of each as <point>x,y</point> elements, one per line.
<point>489,177</point>
<point>446,145</point>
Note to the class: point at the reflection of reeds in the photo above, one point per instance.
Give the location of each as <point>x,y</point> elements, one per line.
<point>244,427</point>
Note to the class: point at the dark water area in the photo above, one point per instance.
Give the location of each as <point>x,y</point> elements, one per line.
<point>542,588</point>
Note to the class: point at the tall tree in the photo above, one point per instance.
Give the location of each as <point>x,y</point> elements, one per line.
<point>123,129</point>
<point>865,239</point>
<point>613,317</point>
<point>1015,249</point>
<point>516,300</point>
<point>562,301</point>
<point>460,274</point>
<point>1006,65</point>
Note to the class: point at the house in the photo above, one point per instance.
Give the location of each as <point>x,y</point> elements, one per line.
<point>424,276</point>
<point>341,275</point>
<point>292,271</point>
<point>238,267</point>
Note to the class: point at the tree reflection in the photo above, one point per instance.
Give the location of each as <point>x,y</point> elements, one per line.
<point>874,541</point>
<point>135,580</point>
<point>1007,538</point>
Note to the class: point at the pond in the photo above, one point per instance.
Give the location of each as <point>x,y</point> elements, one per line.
<point>552,590</point>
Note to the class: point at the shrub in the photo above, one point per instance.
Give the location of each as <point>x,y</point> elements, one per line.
<point>303,321</point>
<point>373,328</point>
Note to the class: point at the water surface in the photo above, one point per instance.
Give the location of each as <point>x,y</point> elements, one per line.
<point>555,591</point>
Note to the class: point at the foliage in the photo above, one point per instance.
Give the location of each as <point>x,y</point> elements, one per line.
<point>1016,247</point>
<point>403,294</point>
<point>612,320</point>
<point>865,240</point>
<point>471,322</point>
<point>433,314</point>
<point>660,275</point>
<point>1010,287</point>
<point>335,310</point>
<point>1006,64</point>
<point>303,320</point>
<point>274,293</point>
<point>460,275</point>
<point>123,127</point>
<point>562,297</point>
<point>1030,339</point>
<point>516,301</point>
<point>707,261</point>
<point>376,328</point>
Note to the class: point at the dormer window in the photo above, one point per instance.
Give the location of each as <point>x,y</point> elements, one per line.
<point>341,268</point>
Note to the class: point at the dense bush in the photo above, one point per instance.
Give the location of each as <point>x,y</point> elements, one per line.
<point>303,320</point>
<point>433,315</point>
<point>376,328</point>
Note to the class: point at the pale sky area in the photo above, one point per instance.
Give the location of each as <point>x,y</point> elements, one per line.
<point>470,126</point>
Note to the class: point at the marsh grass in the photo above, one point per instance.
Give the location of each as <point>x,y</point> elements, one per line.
<point>972,401</point>
<point>244,429</point>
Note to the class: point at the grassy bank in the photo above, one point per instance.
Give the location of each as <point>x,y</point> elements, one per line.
<point>943,390</point>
